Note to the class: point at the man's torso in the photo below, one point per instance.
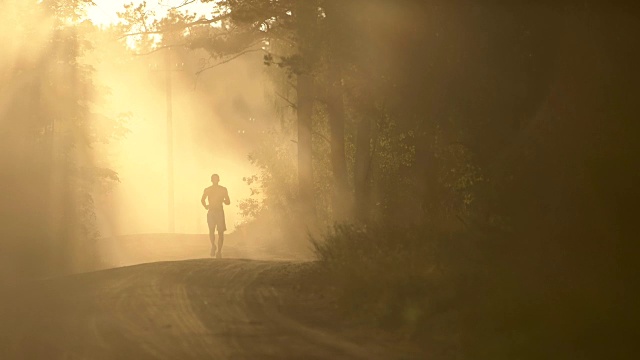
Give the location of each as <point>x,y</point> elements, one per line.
<point>216,195</point>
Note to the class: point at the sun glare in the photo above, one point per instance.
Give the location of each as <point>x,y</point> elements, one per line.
<point>105,12</point>
<point>141,157</point>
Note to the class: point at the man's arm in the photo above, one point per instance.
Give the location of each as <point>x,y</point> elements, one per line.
<point>226,199</point>
<point>202,200</point>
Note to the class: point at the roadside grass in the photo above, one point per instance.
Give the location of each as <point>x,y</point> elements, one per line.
<point>479,296</point>
<point>412,281</point>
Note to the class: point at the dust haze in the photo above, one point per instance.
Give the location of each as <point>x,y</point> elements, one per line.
<point>462,177</point>
<point>210,115</point>
<point>106,174</point>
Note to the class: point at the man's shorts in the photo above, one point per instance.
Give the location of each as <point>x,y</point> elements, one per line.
<point>216,219</point>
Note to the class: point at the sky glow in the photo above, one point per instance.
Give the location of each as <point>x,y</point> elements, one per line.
<point>105,12</point>
<point>140,158</point>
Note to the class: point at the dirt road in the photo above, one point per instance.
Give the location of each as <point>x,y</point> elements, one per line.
<point>194,309</point>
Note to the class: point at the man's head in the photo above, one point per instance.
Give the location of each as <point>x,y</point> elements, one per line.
<point>215,179</point>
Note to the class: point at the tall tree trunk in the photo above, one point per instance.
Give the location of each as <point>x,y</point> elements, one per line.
<point>306,19</point>
<point>342,202</point>
<point>341,196</point>
<point>305,167</point>
<point>362,169</point>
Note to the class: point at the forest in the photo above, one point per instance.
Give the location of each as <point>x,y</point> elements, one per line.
<point>464,174</point>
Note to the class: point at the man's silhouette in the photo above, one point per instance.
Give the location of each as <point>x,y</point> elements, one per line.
<point>217,195</point>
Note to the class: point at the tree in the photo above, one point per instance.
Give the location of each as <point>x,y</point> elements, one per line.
<point>48,220</point>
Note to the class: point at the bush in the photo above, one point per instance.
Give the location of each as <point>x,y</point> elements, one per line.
<point>408,279</point>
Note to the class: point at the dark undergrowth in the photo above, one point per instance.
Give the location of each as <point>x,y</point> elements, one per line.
<point>472,297</point>
<point>402,279</point>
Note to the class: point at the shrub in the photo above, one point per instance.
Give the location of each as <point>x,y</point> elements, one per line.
<point>409,279</point>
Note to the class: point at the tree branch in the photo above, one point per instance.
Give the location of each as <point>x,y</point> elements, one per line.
<point>227,60</point>
<point>185,3</point>
<point>179,27</point>
<point>158,49</point>
<point>291,103</point>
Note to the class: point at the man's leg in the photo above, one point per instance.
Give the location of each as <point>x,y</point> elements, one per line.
<point>212,233</point>
<point>212,238</point>
<point>220,242</point>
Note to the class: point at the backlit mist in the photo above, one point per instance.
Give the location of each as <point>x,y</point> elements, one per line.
<point>326,179</point>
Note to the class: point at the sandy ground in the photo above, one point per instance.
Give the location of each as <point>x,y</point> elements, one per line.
<point>143,248</point>
<point>188,309</point>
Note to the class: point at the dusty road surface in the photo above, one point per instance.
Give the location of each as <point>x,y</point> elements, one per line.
<point>144,248</point>
<point>192,309</point>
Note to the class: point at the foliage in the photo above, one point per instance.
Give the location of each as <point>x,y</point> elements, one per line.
<point>490,151</point>
<point>47,215</point>
<point>500,159</point>
<point>407,279</point>
<point>273,189</point>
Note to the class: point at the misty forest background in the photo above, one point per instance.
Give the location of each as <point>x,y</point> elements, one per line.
<point>468,172</point>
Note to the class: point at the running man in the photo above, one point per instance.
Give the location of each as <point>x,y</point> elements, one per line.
<point>217,195</point>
